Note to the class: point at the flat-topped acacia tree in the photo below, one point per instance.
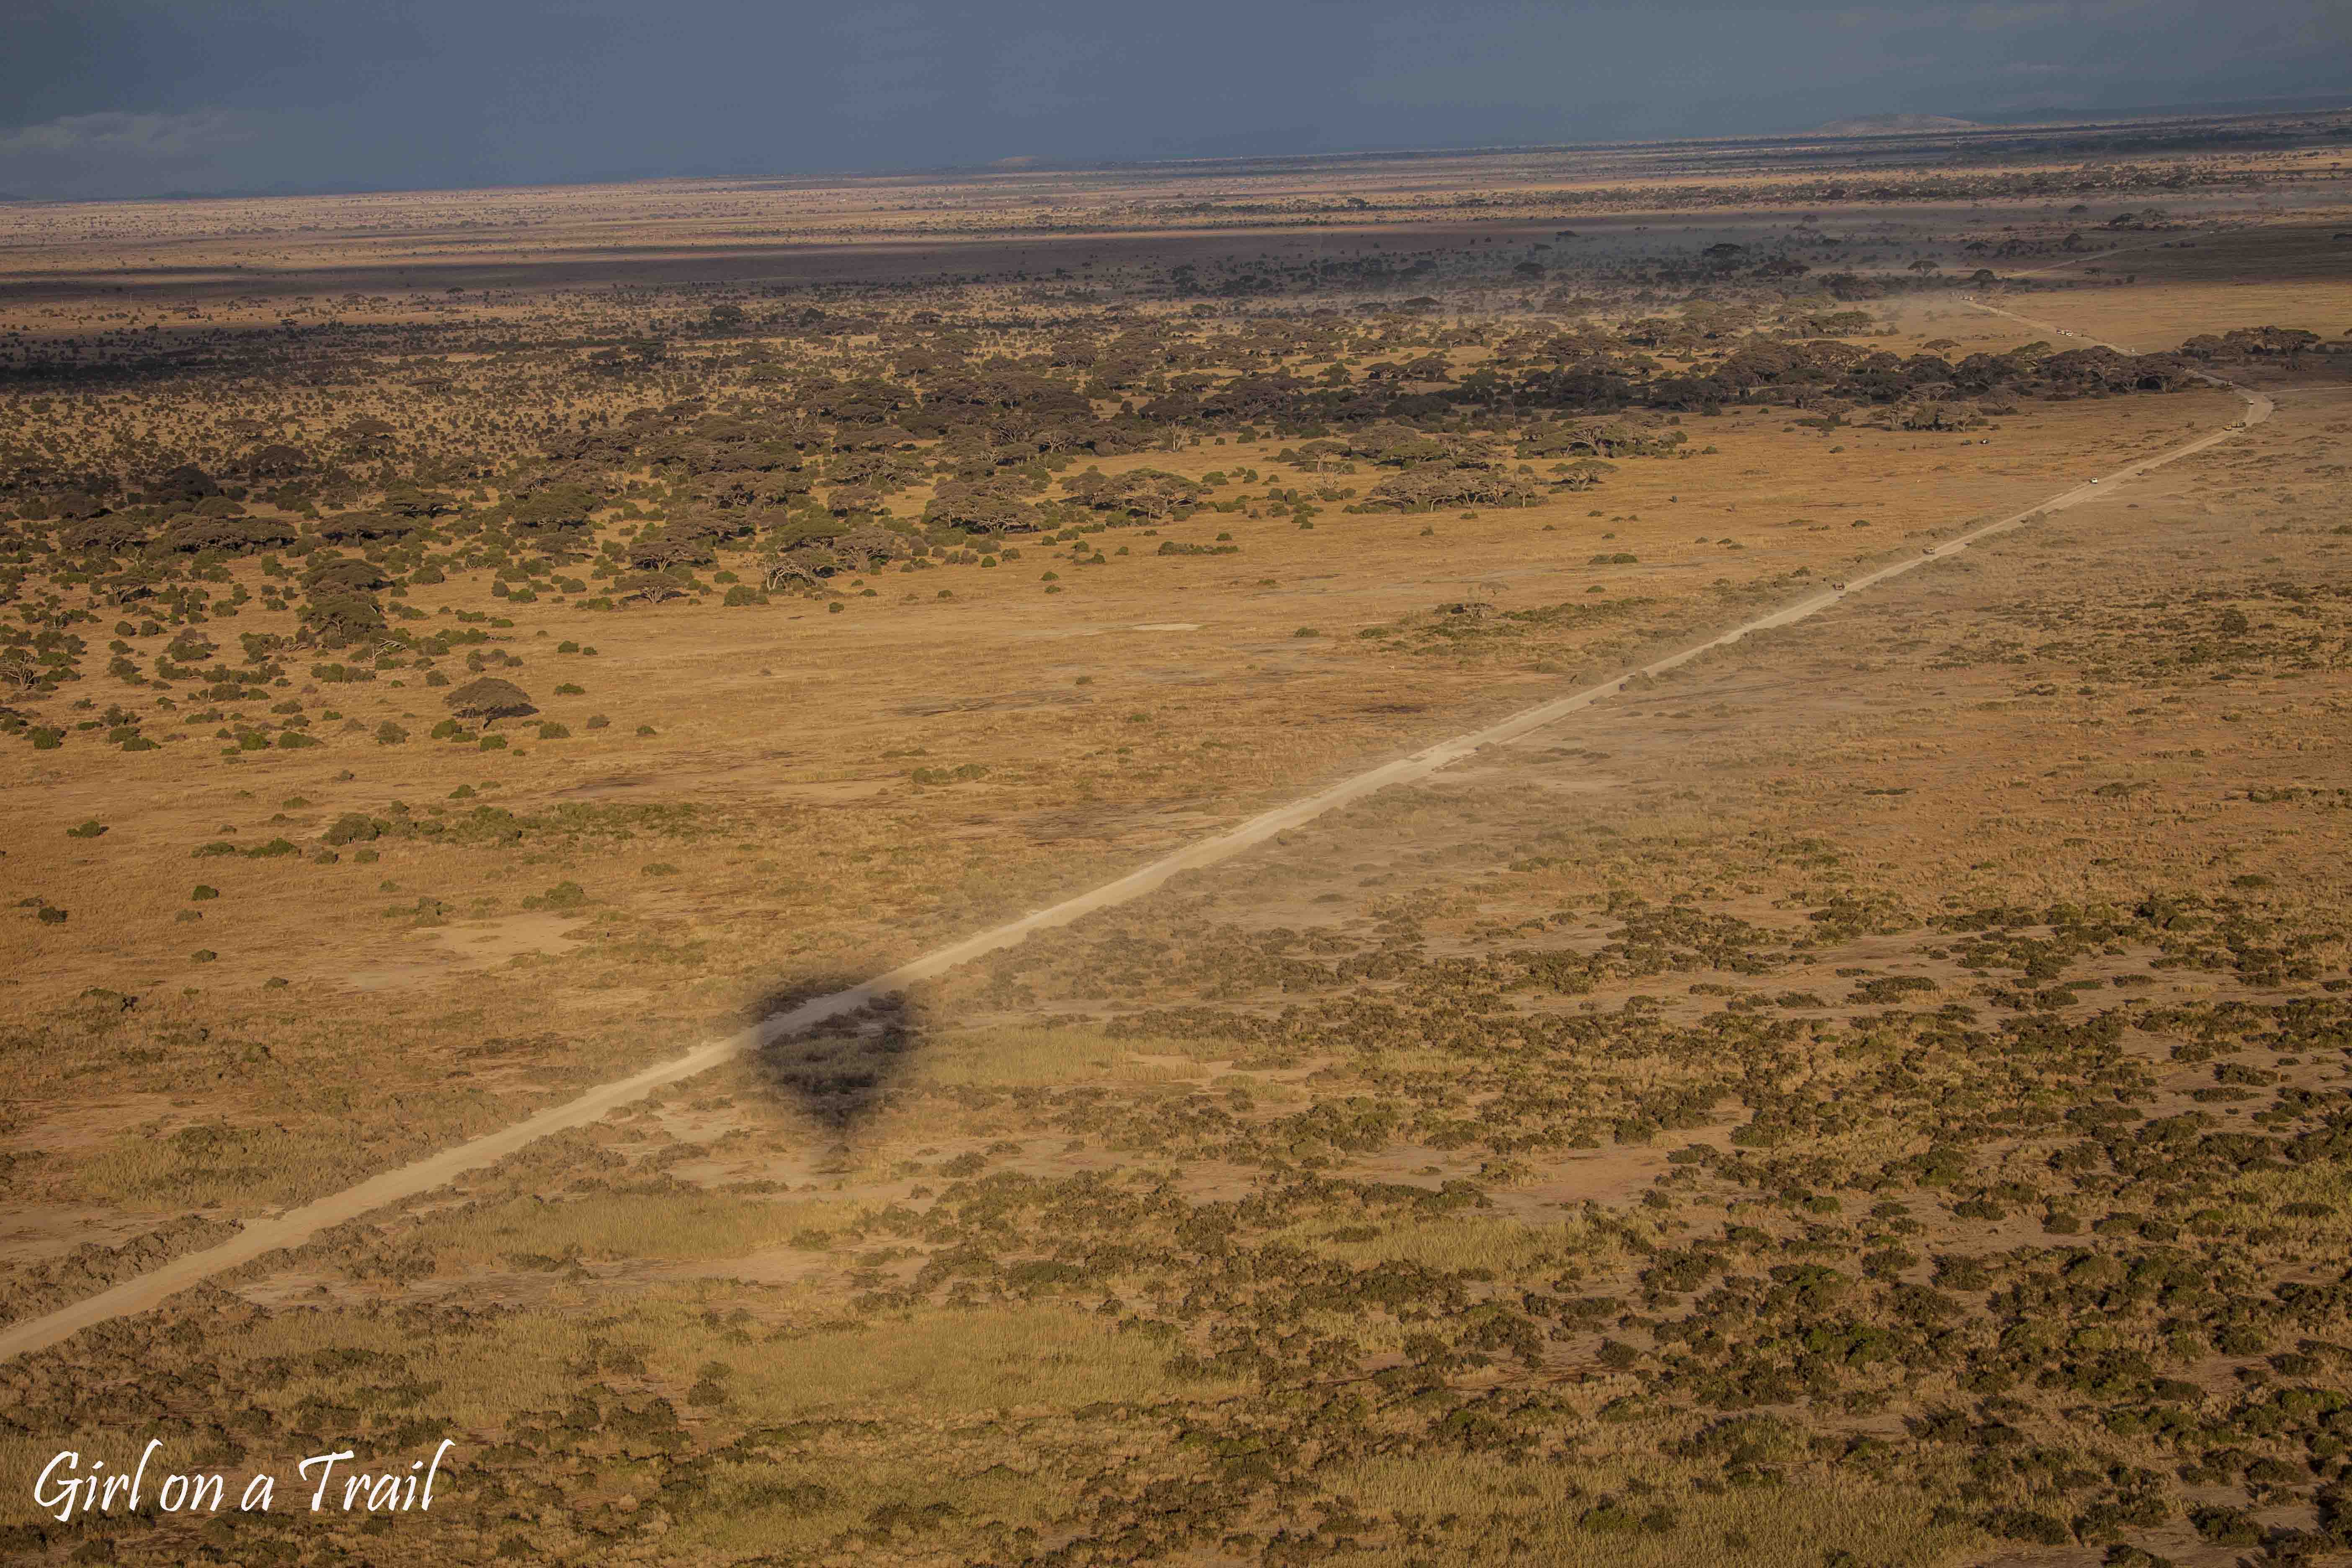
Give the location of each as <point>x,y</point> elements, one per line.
<point>490,699</point>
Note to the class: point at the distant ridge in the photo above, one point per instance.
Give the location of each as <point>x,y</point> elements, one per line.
<point>1875,124</point>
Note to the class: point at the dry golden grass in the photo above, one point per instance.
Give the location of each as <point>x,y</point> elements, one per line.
<point>629,1225</point>
<point>1001,1057</point>
<point>1047,1287</point>
<point>1076,793</point>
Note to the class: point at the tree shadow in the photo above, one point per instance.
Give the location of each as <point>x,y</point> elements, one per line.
<point>831,1051</point>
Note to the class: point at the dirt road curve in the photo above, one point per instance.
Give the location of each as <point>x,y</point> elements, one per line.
<point>297,1225</point>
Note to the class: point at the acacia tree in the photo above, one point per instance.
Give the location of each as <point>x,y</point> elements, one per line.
<point>19,675</point>
<point>490,699</point>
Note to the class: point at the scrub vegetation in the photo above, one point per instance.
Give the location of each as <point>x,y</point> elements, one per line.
<point>1875,1095</point>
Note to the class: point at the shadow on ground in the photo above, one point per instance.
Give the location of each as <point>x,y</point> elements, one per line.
<point>838,1073</point>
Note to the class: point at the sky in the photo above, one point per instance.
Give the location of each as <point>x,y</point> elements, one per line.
<point>126,97</point>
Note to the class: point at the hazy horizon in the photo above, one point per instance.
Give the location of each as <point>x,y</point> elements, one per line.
<point>142,97</point>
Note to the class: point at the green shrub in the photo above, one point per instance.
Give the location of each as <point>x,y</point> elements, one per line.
<point>2023,1524</point>
<point>2226,1526</point>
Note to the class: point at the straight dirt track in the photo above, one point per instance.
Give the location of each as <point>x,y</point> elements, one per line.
<point>297,1225</point>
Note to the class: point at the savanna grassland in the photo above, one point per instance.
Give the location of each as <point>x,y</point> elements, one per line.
<point>1875,1095</point>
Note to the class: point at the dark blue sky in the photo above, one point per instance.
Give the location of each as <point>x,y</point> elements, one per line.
<point>126,97</point>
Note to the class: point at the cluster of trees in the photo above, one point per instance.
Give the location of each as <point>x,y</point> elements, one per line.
<point>2243,344</point>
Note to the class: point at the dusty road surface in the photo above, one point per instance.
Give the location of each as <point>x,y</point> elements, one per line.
<point>297,1225</point>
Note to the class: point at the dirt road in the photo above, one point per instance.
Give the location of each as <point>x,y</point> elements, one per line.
<point>297,1225</point>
